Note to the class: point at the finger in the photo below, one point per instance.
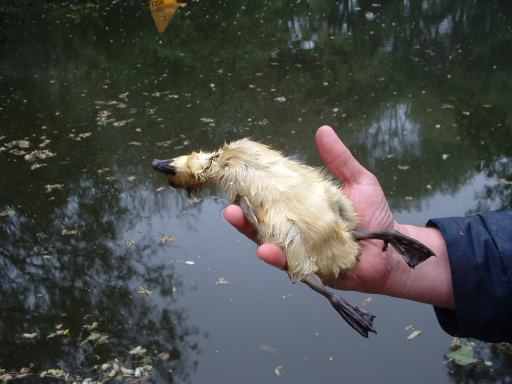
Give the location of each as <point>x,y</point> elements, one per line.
<point>337,157</point>
<point>235,216</point>
<point>272,254</point>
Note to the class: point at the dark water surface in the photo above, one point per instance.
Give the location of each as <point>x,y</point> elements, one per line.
<point>99,256</point>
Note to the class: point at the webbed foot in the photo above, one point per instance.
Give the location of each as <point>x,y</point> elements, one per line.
<point>359,320</point>
<point>412,251</point>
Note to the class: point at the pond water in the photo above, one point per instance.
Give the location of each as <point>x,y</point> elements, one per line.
<point>98,256</point>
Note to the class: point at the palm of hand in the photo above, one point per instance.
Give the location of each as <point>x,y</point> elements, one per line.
<point>375,266</point>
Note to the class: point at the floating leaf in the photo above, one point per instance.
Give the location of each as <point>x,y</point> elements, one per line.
<point>163,11</point>
<point>222,281</point>
<point>144,291</point>
<point>40,154</point>
<point>164,239</point>
<point>127,371</point>
<point>17,152</point>
<point>4,378</point>
<point>52,187</point>
<point>138,350</point>
<point>370,16</point>
<point>367,301</point>
<point>60,332</point>
<point>122,123</point>
<point>7,212</point>
<point>35,166</point>
<point>102,170</point>
<point>69,232</point>
<point>22,144</point>
<point>463,356</point>
<point>165,143</point>
<point>97,338</point>
<point>53,373</point>
<point>414,334</point>
<point>267,348</point>
<point>164,356</point>
<point>80,136</point>
<point>29,335</point>
<point>91,326</point>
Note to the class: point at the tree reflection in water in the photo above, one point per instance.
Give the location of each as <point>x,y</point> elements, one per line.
<point>83,270</point>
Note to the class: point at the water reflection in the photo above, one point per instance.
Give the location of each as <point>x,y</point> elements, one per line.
<point>419,90</point>
<point>393,134</point>
<point>96,268</point>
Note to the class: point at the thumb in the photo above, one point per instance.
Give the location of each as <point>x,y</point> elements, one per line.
<point>337,157</point>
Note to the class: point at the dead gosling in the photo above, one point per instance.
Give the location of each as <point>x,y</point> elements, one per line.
<point>297,207</point>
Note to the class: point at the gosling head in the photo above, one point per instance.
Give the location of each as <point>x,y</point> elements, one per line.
<point>188,171</point>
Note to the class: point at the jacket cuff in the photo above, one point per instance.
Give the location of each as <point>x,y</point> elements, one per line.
<point>480,277</point>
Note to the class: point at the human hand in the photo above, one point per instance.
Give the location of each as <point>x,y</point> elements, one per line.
<point>363,189</point>
<point>377,271</point>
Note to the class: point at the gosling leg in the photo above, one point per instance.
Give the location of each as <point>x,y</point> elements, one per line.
<point>359,320</point>
<point>412,251</point>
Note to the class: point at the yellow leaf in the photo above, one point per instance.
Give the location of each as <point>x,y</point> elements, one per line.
<point>163,11</point>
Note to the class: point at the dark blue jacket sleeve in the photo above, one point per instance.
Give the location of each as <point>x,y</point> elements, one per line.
<point>480,253</point>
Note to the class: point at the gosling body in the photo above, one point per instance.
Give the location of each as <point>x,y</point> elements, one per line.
<point>296,206</point>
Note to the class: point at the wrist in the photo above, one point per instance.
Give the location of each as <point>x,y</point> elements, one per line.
<point>430,282</point>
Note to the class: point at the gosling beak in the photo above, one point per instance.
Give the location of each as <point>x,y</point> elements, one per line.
<point>163,166</point>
